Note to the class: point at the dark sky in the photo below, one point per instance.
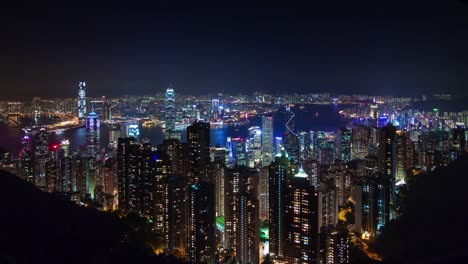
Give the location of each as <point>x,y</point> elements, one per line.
<point>376,47</point>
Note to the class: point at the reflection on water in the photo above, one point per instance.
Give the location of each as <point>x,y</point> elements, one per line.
<point>311,117</point>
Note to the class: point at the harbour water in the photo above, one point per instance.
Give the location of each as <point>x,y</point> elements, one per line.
<point>308,117</point>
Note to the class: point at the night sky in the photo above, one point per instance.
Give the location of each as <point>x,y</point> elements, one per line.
<point>373,47</point>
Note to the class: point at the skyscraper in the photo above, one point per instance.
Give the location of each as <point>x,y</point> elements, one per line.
<point>301,220</point>
<point>267,140</point>
<point>242,214</point>
<point>198,139</point>
<point>279,171</point>
<point>92,151</point>
<point>345,144</point>
<point>40,157</point>
<point>170,112</point>
<point>81,100</point>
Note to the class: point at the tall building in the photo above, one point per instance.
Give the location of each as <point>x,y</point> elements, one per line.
<point>177,217</point>
<point>279,171</point>
<point>254,147</point>
<point>263,195</point>
<point>170,112</point>
<point>198,139</point>
<point>81,100</point>
<point>241,214</point>
<point>360,142</point>
<point>141,176</point>
<point>92,151</point>
<point>268,151</point>
<point>202,215</point>
<point>345,144</point>
<point>27,160</point>
<point>40,157</point>
<point>301,220</point>
<point>239,152</point>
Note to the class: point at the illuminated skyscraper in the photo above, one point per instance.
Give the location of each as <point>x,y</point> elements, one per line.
<point>239,152</point>
<point>242,214</point>
<point>345,144</point>
<point>301,220</point>
<point>198,139</point>
<point>279,171</point>
<point>40,157</point>
<point>92,148</point>
<point>360,142</point>
<point>27,160</point>
<point>81,100</point>
<point>267,140</point>
<point>202,215</point>
<point>170,113</point>
<point>254,146</point>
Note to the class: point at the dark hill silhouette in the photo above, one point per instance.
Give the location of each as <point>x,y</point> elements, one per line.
<point>38,227</point>
<point>434,227</point>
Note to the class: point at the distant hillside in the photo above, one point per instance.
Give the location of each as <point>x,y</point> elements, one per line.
<point>433,230</point>
<point>37,227</point>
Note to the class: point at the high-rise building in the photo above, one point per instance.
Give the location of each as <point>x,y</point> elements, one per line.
<point>92,151</point>
<point>27,160</point>
<point>40,157</point>
<point>141,177</point>
<point>170,113</point>
<point>241,214</point>
<point>279,172</point>
<point>81,100</point>
<point>345,144</point>
<point>263,195</point>
<point>301,225</point>
<point>268,151</point>
<point>198,139</point>
<point>278,144</point>
<point>177,217</point>
<point>254,147</point>
<point>239,152</point>
<point>202,215</point>
<point>360,142</point>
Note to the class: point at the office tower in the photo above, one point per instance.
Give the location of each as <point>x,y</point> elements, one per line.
<point>198,139</point>
<point>345,144</point>
<point>170,113</point>
<point>40,157</point>
<point>263,195</point>
<point>301,220</point>
<point>278,144</point>
<point>279,171</point>
<point>26,157</point>
<point>254,146</point>
<point>305,146</point>
<point>177,217</point>
<point>66,168</point>
<point>92,151</point>
<point>328,203</point>
<point>290,137</point>
<point>458,140</point>
<point>400,158</point>
<point>267,140</point>
<point>51,170</point>
<point>241,214</point>
<point>312,168</point>
<point>81,100</point>
<point>239,152</point>
<point>201,238</point>
<point>215,108</point>
<point>220,155</point>
<point>360,142</point>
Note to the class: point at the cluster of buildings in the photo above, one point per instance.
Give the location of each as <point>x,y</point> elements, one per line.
<point>314,190</point>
